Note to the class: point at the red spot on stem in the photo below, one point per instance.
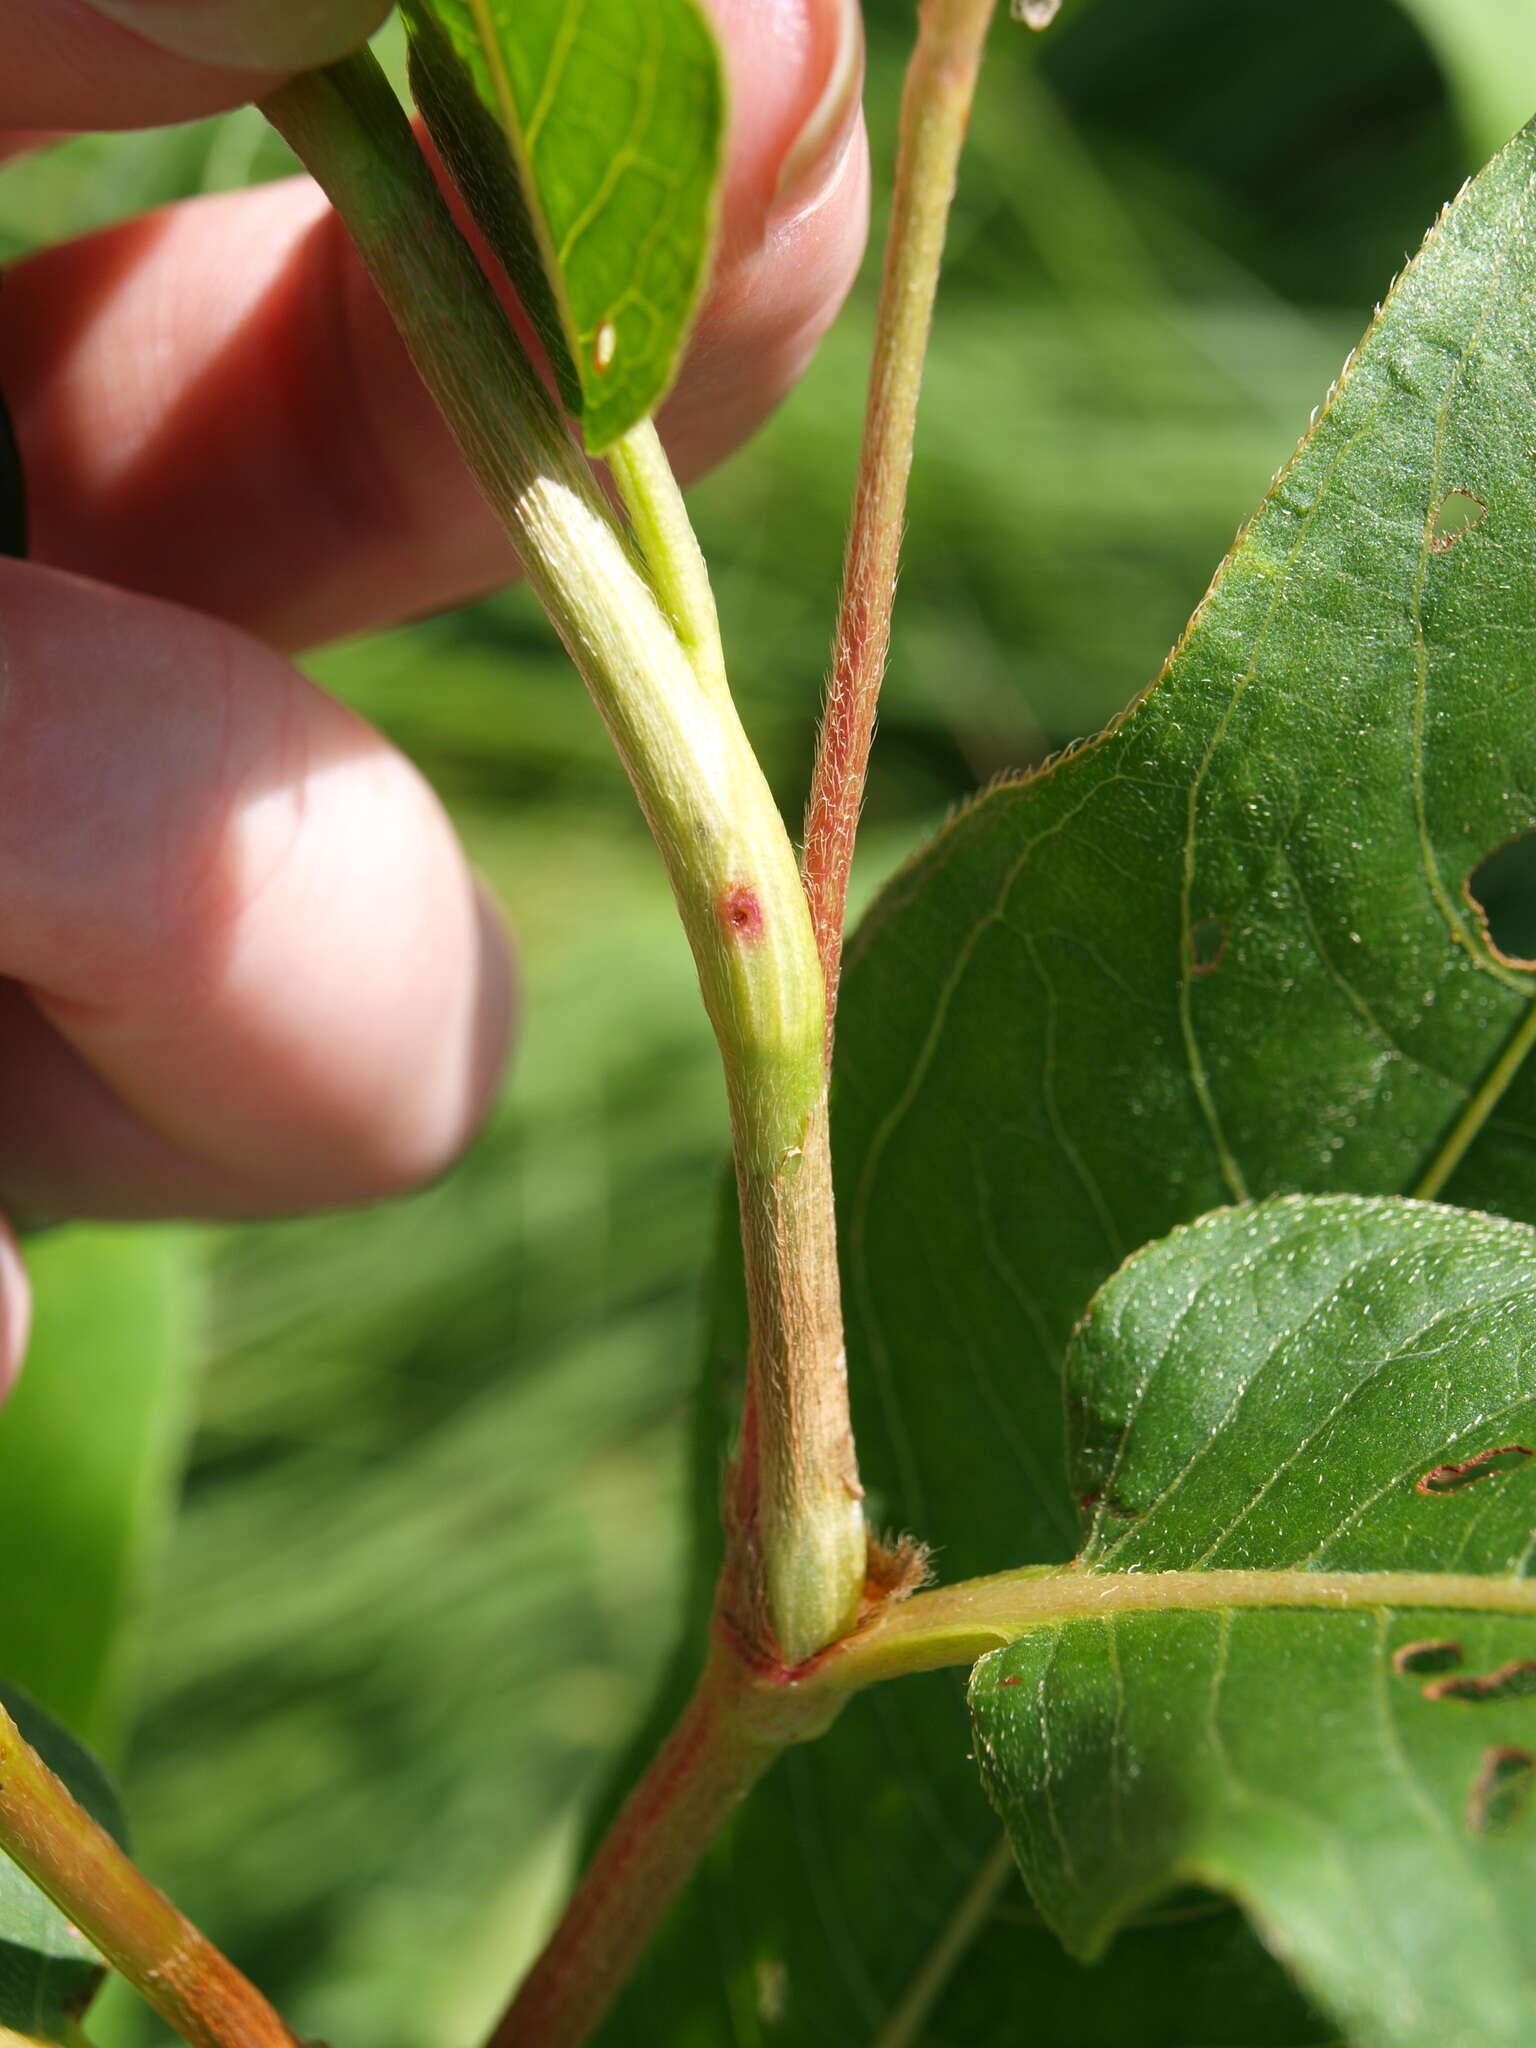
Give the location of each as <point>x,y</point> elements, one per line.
<point>741,913</point>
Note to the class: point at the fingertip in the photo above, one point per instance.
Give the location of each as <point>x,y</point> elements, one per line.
<point>15,1309</point>
<point>496,1007</point>
<point>796,68</point>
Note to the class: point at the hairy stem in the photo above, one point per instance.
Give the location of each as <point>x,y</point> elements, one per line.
<point>45,1830</point>
<point>642,639</point>
<point>935,108</point>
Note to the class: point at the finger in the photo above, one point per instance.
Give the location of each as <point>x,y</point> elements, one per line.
<point>266,977</point>
<point>15,1310</point>
<point>135,63</point>
<point>214,407</point>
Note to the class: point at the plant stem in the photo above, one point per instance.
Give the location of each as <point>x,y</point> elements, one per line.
<point>728,1734</point>
<point>45,1830</point>
<point>935,108</point>
<point>672,553</point>
<point>801,1553</point>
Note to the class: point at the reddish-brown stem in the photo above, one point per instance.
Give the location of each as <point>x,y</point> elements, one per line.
<point>66,1854</point>
<point>934,111</point>
<point>729,1733</point>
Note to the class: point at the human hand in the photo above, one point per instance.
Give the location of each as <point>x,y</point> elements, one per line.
<point>243,966</point>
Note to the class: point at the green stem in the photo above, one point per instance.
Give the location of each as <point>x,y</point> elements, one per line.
<point>726,850</point>
<point>935,109</point>
<point>671,550</point>
<point>908,2019</point>
<point>177,1970</point>
<point>957,1624</point>
<point>1485,1100</point>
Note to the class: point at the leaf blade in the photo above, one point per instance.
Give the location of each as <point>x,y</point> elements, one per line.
<point>1300,1761</point>
<point>609,245</point>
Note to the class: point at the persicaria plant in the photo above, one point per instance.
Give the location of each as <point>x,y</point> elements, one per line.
<point>1184,1137</point>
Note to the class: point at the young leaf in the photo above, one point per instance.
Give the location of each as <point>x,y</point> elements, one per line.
<point>1311,1385</point>
<point>48,1972</point>
<point>587,139</point>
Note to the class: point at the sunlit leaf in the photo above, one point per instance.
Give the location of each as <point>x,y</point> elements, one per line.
<point>586,136</point>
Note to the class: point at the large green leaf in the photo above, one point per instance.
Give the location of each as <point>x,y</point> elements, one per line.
<point>587,138</point>
<point>1222,950</point>
<point>1322,1384</point>
<point>90,1456</point>
<point>48,1972</point>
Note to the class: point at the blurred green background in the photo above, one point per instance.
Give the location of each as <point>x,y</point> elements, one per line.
<point>429,1554</point>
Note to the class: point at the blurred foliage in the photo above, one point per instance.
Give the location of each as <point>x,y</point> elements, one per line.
<point>429,1562</point>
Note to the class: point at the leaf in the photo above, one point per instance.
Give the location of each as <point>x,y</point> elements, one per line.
<point>594,178</point>
<point>1227,948</point>
<point>1224,948</point>
<point>1272,1389</point>
<point>48,1972</point>
<point>90,1455</point>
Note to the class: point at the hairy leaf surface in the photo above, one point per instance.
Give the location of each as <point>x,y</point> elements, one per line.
<point>586,136</point>
<point>1224,950</point>
<point>1319,1385</point>
<point>49,1972</point>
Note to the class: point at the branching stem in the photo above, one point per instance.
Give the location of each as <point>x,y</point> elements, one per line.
<point>727,1736</point>
<point>644,640</point>
<point>935,109</point>
<point>45,1830</point>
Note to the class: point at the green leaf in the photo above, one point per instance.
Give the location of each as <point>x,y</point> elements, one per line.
<point>48,1972</point>
<point>1301,1385</point>
<point>90,1454</point>
<point>1222,949</point>
<point>1226,949</point>
<point>587,137</point>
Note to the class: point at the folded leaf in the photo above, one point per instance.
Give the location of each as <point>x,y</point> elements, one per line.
<point>1315,1385</point>
<point>587,138</point>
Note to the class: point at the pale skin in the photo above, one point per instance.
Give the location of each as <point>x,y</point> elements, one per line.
<point>244,968</point>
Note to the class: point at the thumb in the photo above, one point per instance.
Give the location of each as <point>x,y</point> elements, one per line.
<point>136,63</point>
<point>250,35</point>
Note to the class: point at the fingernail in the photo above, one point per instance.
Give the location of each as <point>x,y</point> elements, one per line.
<point>251,35</point>
<point>817,152</point>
